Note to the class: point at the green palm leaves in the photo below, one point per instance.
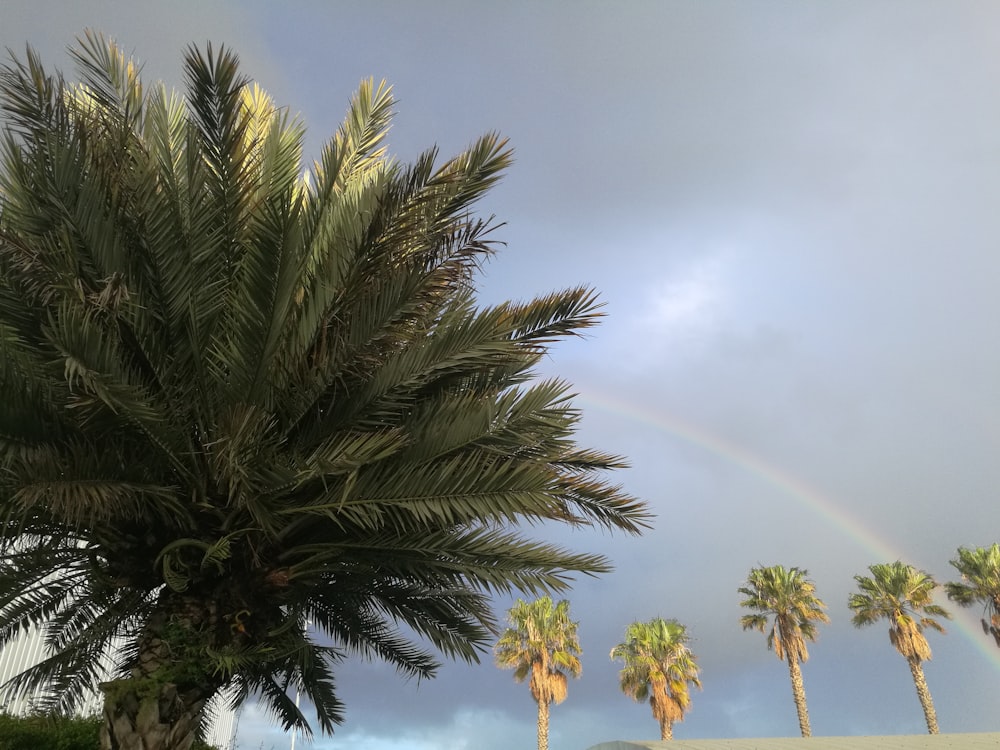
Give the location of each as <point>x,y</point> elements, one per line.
<point>902,595</point>
<point>658,667</point>
<point>240,395</point>
<point>542,646</point>
<point>785,599</point>
<point>980,571</point>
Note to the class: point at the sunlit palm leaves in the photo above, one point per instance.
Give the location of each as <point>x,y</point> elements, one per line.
<point>903,596</point>
<point>541,646</point>
<point>786,607</point>
<point>980,571</point>
<point>241,395</point>
<point>658,666</point>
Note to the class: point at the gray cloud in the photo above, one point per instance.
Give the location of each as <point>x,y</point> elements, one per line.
<point>789,209</point>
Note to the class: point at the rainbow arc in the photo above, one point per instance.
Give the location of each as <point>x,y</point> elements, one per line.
<point>800,492</point>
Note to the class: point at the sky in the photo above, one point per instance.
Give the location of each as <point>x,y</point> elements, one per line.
<point>790,211</point>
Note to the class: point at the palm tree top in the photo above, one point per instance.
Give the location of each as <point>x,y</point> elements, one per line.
<point>893,591</point>
<point>540,630</point>
<point>980,571</point>
<point>902,595</point>
<point>656,647</point>
<point>658,666</point>
<point>789,597</point>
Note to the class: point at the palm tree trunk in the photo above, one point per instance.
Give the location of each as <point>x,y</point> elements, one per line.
<point>543,725</point>
<point>158,706</point>
<point>924,694</point>
<point>799,694</point>
<point>666,729</point>
<point>138,717</point>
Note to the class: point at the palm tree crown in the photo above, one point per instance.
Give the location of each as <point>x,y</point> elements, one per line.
<point>541,645</point>
<point>785,599</point>
<point>658,666</point>
<point>980,571</point>
<point>237,399</point>
<point>902,595</point>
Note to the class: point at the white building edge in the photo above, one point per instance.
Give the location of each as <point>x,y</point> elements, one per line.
<point>29,648</point>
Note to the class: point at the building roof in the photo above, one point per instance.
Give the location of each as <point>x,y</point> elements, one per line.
<point>971,741</point>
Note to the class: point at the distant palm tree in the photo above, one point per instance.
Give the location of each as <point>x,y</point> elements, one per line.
<point>658,666</point>
<point>902,595</point>
<point>790,598</point>
<point>980,568</point>
<point>541,644</point>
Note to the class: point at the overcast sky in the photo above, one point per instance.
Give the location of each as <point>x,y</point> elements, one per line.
<point>791,211</point>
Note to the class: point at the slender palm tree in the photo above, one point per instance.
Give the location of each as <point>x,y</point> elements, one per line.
<point>902,595</point>
<point>980,571</point>
<point>541,645</point>
<point>239,395</point>
<point>785,600</point>
<point>658,666</point>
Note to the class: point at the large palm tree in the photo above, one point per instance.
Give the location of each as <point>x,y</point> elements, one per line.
<point>980,571</point>
<point>785,605</point>
<point>658,666</point>
<point>239,395</point>
<point>902,595</point>
<point>541,645</point>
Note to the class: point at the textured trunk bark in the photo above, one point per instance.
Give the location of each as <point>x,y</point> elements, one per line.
<point>140,717</point>
<point>158,706</point>
<point>666,729</point>
<point>543,725</point>
<point>924,694</point>
<point>799,694</point>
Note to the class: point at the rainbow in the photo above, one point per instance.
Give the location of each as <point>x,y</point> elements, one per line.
<point>796,489</point>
